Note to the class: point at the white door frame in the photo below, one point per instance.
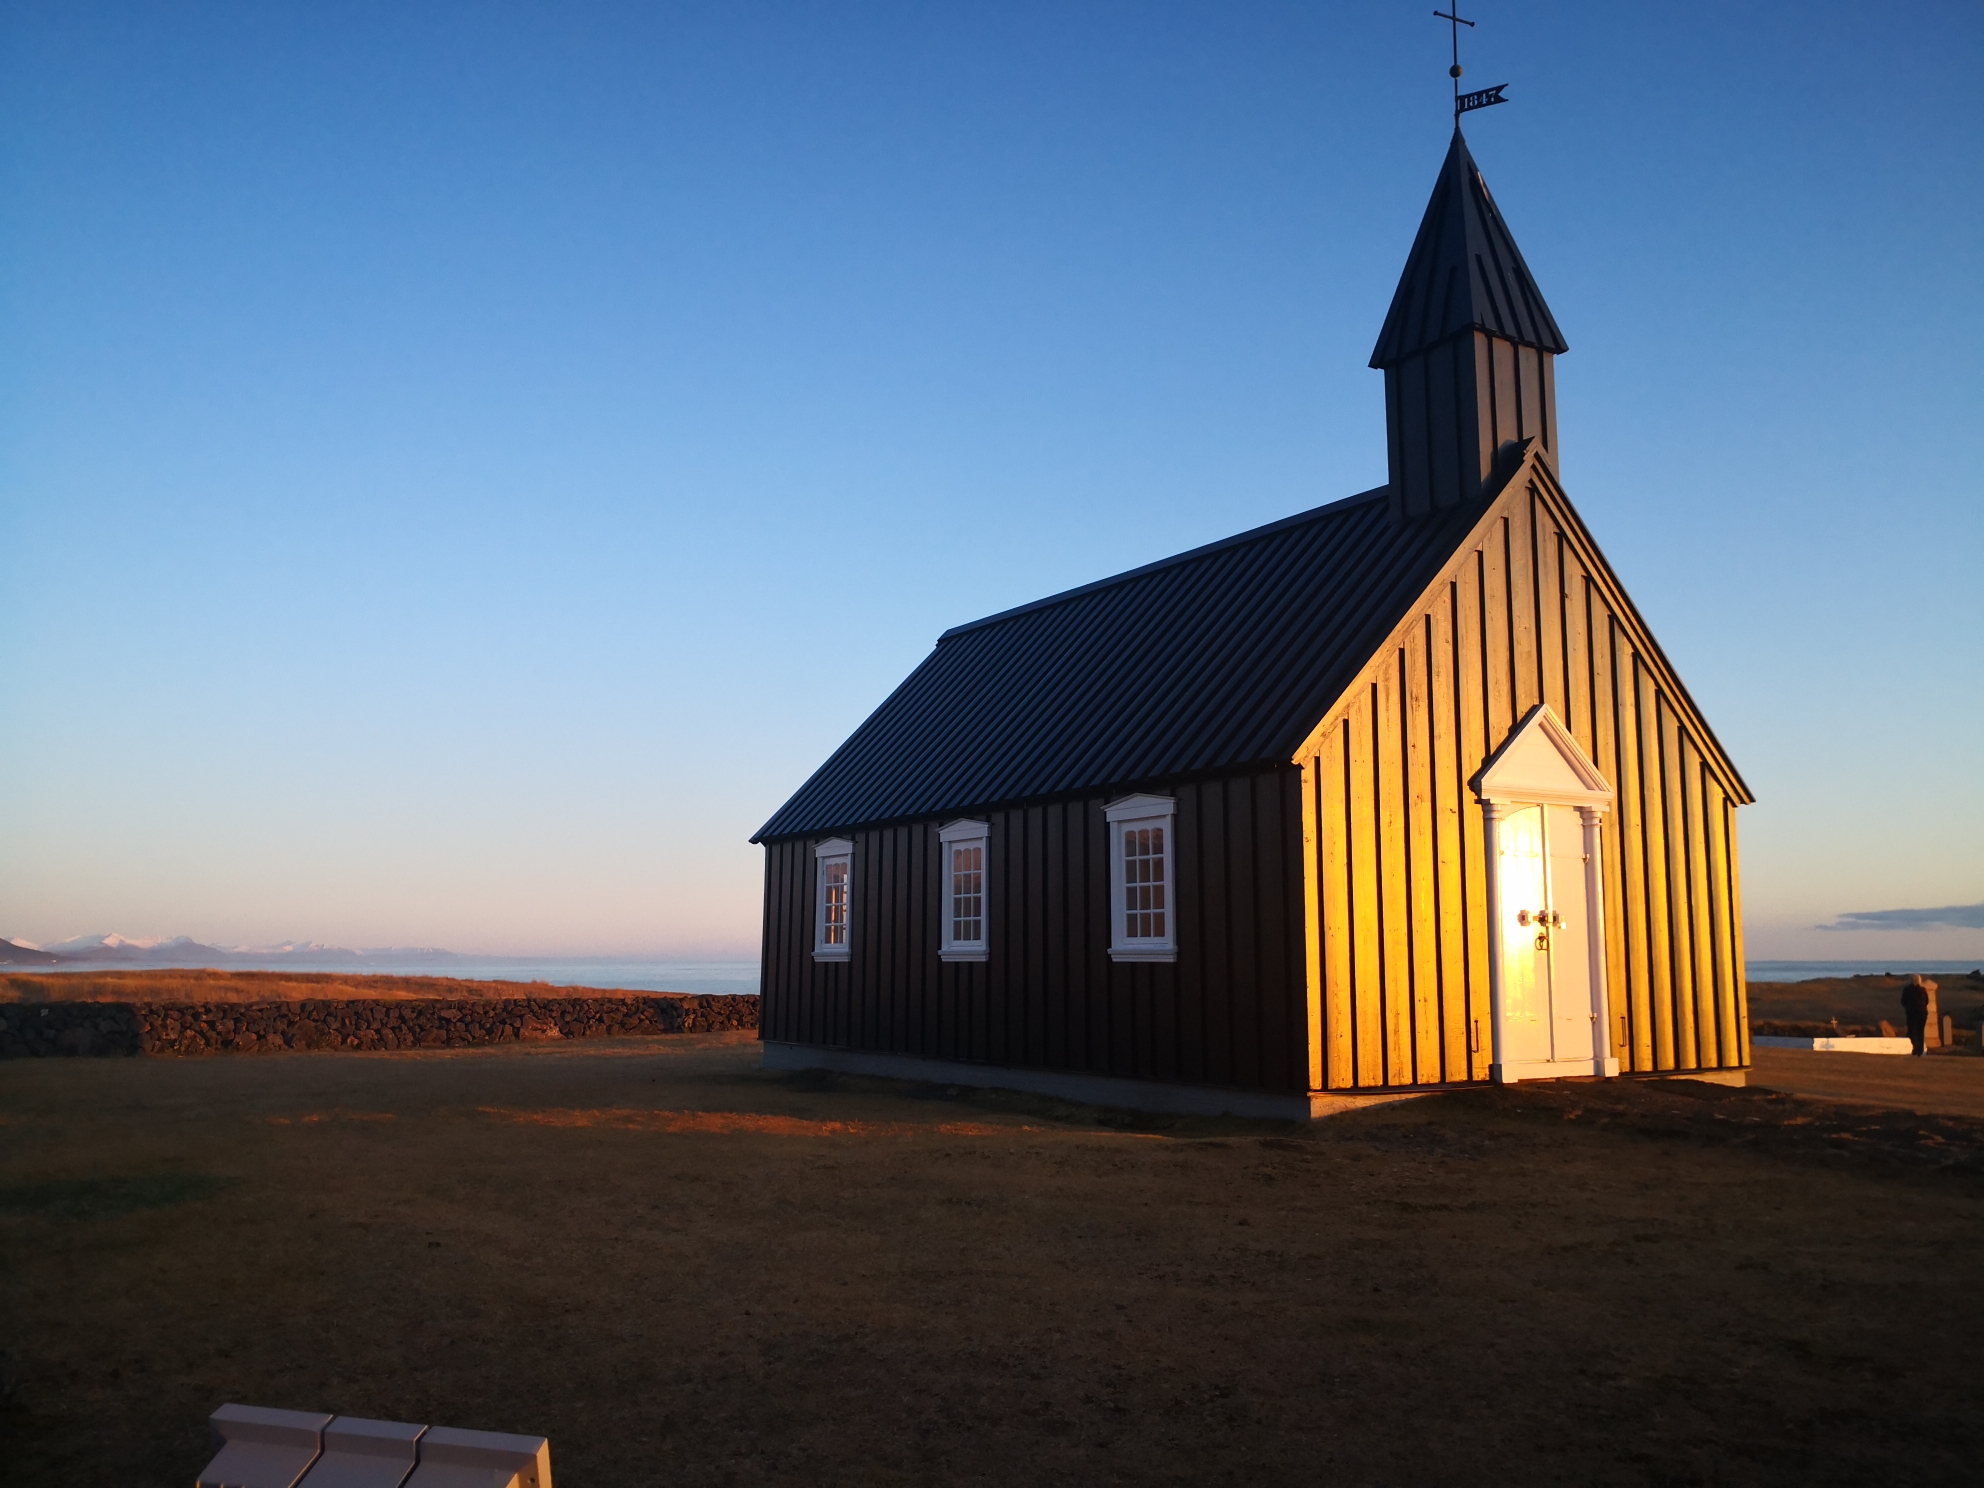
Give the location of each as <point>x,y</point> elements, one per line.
<point>1541,764</point>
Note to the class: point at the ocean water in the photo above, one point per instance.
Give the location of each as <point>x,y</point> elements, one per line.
<point>1805,971</point>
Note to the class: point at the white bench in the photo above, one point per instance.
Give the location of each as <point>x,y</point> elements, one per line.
<point>479,1459</point>
<point>366,1454</point>
<point>262,1448</point>
<point>259,1448</point>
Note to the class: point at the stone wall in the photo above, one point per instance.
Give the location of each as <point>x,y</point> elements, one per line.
<point>28,1030</point>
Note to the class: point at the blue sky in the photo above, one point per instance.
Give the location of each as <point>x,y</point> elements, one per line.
<point>462,466</point>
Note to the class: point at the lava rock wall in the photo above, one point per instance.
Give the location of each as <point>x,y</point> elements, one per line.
<point>28,1030</point>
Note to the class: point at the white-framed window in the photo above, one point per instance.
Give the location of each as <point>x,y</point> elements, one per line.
<point>1143,879</point>
<point>833,898</point>
<point>966,851</point>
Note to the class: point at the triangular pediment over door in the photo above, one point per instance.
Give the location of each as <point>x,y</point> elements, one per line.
<point>1542,762</point>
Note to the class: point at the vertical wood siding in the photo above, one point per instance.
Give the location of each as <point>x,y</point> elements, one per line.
<point>1396,944</point>
<point>1232,1011</point>
<point>1449,408</point>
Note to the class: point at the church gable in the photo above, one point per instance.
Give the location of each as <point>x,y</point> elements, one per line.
<point>1525,612</point>
<point>1527,548</point>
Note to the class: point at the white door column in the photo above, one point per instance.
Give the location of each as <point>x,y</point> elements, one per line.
<point>1498,1067</point>
<point>1594,900</point>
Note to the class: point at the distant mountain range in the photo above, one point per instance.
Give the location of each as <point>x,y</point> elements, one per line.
<point>12,953</point>
<point>183,950</point>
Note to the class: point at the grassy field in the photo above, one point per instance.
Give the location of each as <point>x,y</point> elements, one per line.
<point>201,985</point>
<point>683,1270</point>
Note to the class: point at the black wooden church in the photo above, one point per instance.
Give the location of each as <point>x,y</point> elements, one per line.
<point>1399,792</point>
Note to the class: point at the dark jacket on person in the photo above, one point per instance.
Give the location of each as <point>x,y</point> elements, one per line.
<point>1915,1001</point>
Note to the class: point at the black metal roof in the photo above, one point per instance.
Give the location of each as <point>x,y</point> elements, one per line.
<point>1225,656</point>
<point>1464,271</point>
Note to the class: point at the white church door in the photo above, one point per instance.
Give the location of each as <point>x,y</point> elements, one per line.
<point>1526,987</point>
<point>1573,1016</point>
<point>1542,803</point>
<point>1546,936</point>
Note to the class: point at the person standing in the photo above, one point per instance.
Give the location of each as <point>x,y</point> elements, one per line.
<point>1915,1003</point>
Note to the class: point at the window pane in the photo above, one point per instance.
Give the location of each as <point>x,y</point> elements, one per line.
<point>968,894</point>
<point>833,904</point>
<point>1143,883</point>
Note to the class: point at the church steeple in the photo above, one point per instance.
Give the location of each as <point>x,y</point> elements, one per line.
<point>1466,349</point>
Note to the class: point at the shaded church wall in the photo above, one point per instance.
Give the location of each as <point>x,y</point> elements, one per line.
<point>1231,1011</point>
<point>1396,934</point>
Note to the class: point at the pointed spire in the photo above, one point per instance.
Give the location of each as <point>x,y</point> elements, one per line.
<point>1468,352</point>
<point>1464,273</point>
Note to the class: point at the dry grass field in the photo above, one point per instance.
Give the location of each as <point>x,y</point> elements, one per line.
<point>686,1271</point>
<point>199,984</point>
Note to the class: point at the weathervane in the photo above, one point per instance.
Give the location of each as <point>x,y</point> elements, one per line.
<point>1465,101</point>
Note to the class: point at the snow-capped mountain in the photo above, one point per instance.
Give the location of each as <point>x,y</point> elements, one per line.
<point>23,953</point>
<point>182,950</point>
<point>114,944</point>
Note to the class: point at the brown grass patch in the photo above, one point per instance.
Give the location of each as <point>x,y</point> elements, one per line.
<point>202,985</point>
<point>731,1122</point>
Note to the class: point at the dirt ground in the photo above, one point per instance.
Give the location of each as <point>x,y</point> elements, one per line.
<point>685,1271</point>
<point>1950,1082</point>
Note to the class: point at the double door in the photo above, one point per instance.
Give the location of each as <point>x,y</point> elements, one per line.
<point>1549,1012</point>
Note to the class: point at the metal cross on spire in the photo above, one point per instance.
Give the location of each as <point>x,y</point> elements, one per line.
<point>1465,101</point>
